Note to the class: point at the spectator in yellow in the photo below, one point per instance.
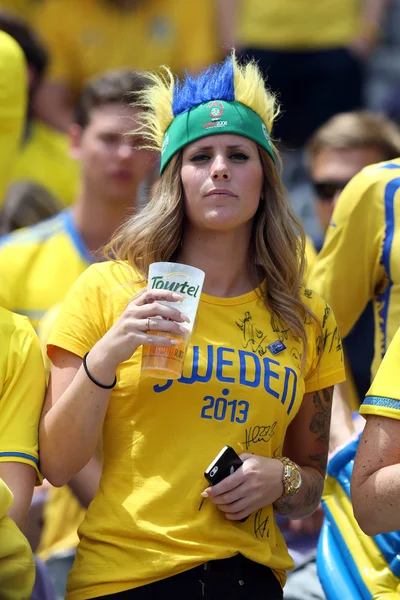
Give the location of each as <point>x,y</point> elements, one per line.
<point>12,105</point>
<point>86,38</point>
<point>39,264</point>
<point>359,261</point>
<point>337,152</point>
<point>22,388</point>
<point>43,157</point>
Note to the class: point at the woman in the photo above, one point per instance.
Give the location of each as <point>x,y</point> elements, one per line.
<point>258,372</point>
<point>375,484</point>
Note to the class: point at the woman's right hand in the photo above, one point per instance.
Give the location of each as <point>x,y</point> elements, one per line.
<point>144,313</point>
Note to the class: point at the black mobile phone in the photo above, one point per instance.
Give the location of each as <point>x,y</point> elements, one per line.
<point>224,464</point>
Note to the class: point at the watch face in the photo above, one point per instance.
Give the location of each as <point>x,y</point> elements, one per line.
<point>295,478</point>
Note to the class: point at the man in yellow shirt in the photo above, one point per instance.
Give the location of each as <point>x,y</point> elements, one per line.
<point>38,264</point>
<point>43,157</point>
<point>337,152</point>
<point>86,38</point>
<point>359,260</point>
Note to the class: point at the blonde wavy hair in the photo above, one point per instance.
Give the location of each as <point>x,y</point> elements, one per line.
<point>277,243</point>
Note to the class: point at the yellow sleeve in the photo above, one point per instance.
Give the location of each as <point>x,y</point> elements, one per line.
<point>44,329</point>
<point>85,315</point>
<point>348,268</point>
<point>383,397</point>
<point>13,96</point>
<point>329,369</point>
<point>22,397</point>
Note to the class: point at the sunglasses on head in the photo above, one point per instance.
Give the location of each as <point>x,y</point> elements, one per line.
<point>325,190</point>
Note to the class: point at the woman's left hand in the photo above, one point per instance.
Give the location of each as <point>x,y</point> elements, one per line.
<point>257,483</point>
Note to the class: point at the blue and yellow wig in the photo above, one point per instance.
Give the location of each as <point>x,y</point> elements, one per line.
<point>225,98</point>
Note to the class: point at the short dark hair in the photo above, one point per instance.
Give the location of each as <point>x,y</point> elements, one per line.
<point>113,87</point>
<point>35,52</point>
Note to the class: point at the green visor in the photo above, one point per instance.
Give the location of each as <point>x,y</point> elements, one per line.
<point>214,117</point>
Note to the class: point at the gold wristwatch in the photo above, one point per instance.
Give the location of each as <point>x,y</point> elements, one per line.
<point>291,477</point>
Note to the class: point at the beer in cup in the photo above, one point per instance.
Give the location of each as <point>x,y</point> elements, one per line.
<point>166,362</point>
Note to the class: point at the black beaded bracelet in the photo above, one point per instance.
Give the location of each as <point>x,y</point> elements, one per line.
<point>105,387</point>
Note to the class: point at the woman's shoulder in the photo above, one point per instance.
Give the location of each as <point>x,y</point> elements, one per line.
<point>112,275</point>
<point>316,304</point>
<point>311,298</point>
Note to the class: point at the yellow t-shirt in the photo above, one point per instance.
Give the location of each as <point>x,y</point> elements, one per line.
<point>44,159</point>
<point>13,98</point>
<point>159,436</point>
<point>22,389</point>
<point>360,259</point>
<point>39,264</point>
<point>17,568</point>
<point>86,38</point>
<point>383,397</point>
<point>297,24</point>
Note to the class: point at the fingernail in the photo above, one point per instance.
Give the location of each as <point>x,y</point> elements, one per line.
<point>185,318</point>
<point>175,342</point>
<point>204,494</point>
<point>177,297</point>
<point>183,329</point>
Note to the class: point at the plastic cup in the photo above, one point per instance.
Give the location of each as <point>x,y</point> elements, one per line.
<point>166,362</point>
